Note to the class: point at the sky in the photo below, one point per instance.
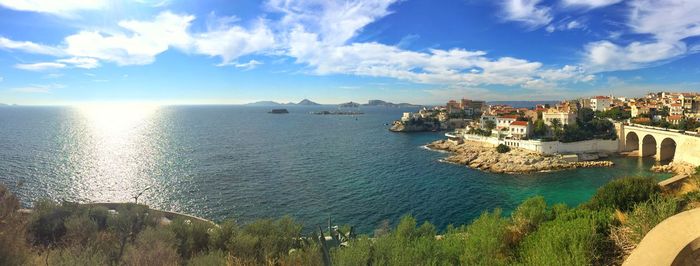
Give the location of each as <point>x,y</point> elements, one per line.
<point>417,51</point>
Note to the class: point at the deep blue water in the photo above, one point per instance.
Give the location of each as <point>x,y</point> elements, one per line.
<point>241,162</point>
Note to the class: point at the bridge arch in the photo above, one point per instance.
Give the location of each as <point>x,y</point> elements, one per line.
<point>631,141</point>
<point>648,146</point>
<point>667,149</point>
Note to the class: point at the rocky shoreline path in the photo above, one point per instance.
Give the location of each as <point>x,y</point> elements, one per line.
<point>485,157</point>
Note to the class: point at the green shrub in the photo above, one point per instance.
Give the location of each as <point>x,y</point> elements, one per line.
<point>359,252</point>
<point>192,236</point>
<point>153,247</point>
<point>501,148</point>
<point>209,258</point>
<point>486,241</point>
<point>74,255</point>
<point>262,240</point>
<point>530,214</point>
<point>47,225</point>
<point>80,230</point>
<point>561,242</point>
<point>13,247</point>
<point>624,193</point>
<point>648,214</point>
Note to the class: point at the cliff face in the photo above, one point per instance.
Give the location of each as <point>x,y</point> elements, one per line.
<point>403,127</point>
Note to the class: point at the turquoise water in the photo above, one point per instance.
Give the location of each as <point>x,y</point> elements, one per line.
<point>241,162</point>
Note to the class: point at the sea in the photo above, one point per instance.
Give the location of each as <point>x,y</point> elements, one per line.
<point>243,163</point>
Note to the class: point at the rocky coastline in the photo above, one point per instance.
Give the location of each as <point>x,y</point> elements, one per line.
<point>485,157</point>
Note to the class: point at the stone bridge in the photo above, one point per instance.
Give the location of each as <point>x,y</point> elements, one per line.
<point>664,145</point>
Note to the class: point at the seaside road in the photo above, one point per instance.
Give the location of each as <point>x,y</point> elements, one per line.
<point>674,241</point>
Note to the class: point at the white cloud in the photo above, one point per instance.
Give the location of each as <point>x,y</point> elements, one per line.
<point>668,23</point>
<point>81,62</point>
<point>37,88</point>
<point>56,7</point>
<point>335,21</point>
<point>607,56</point>
<point>455,66</point>
<point>29,47</point>
<point>231,42</point>
<point>247,66</point>
<point>590,3</point>
<point>566,25</point>
<point>144,40</point>
<point>527,12</point>
<point>40,66</point>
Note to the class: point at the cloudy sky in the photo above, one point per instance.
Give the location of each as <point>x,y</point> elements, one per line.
<point>420,51</point>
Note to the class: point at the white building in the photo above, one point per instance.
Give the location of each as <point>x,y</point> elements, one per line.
<point>601,103</point>
<point>505,121</point>
<point>406,116</point>
<point>676,109</point>
<point>564,117</point>
<point>520,129</point>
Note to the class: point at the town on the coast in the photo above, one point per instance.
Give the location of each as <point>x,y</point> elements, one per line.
<point>570,134</point>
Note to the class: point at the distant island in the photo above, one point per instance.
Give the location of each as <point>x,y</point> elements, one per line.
<point>349,105</point>
<point>279,111</point>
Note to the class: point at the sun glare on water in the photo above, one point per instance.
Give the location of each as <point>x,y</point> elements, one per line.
<point>117,150</point>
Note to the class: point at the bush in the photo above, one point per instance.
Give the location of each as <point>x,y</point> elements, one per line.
<point>624,193</point>
<point>75,255</point>
<point>210,258</point>
<point>47,225</point>
<point>486,241</point>
<point>153,247</point>
<point>648,214</point>
<point>530,214</point>
<point>561,242</point>
<point>501,148</point>
<point>13,247</point>
<point>192,236</point>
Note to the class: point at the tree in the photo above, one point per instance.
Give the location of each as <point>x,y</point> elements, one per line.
<point>489,125</point>
<point>556,127</point>
<point>585,114</point>
<point>502,148</point>
<point>540,128</point>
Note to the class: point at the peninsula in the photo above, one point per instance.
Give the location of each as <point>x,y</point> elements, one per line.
<point>570,134</point>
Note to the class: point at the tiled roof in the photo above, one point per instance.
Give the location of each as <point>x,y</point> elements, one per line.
<point>519,123</point>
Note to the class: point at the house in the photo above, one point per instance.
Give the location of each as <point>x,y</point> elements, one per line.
<point>675,119</point>
<point>601,103</point>
<point>564,117</point>
<point>505,121</point>
<point>638,109</point>
<point>676,109</point>
<point>520,129</point>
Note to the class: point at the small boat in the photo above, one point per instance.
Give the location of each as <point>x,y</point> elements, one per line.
<point>279,111</point>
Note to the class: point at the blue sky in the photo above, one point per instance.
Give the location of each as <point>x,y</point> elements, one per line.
<point>420,51</point>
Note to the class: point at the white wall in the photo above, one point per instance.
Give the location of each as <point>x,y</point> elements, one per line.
<point>551,147</point>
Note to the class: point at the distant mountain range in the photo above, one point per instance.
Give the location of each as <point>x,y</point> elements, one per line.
<point>389,104</point>
<point>272,103</point>
<point>307,102</point>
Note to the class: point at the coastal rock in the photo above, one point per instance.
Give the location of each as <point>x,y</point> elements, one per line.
<point>484,157</point>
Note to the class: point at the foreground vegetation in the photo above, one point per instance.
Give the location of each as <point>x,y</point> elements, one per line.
<point>601,231</point>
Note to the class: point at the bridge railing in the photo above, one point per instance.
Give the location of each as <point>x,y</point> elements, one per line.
<point>688,133</point>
